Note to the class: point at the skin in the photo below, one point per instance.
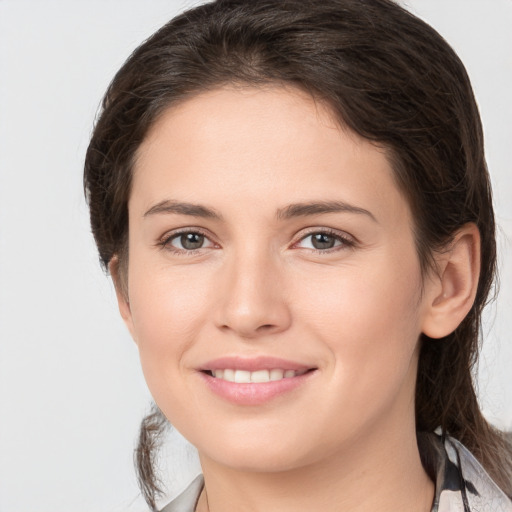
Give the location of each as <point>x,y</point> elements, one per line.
<point>257,286</point>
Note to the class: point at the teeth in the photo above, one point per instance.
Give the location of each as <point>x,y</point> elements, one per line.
<point>229,375</point>
<point>260,376</point>
<point>242,377</point>
<point>276,374</point>
<point>245,377</point>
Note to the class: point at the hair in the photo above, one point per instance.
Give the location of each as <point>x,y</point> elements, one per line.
<point>387,76</point>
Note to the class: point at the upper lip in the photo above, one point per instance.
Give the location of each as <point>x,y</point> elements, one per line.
<point>253,364</point>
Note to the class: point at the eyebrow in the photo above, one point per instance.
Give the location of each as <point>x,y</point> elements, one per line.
<point>289,212</point>
<point>194,210</point>
<point>316,208</point>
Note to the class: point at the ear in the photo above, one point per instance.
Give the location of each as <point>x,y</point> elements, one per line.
<point>452,290</point>
<point>121,286</point>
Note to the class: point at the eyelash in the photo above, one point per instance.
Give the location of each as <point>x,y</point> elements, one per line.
<point>165,241</point>
<point>346,241</point>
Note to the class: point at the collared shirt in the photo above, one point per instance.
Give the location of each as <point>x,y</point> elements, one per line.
<point>462,484</point>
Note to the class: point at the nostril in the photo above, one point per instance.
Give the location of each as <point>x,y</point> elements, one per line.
<point>266,327</point>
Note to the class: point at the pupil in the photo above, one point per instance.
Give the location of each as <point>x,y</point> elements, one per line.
<point>192,241</point>
<point>322,241</point>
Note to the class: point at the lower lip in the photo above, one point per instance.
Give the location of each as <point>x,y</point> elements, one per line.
<point>254,393</point>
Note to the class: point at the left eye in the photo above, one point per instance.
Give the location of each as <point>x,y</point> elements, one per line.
<point>189,241</point>
<point>322,241</point>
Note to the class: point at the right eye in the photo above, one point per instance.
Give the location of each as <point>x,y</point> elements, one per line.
<point>187,241</point>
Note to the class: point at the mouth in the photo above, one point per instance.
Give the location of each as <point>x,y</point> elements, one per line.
<point>255,381</point>
<point>256,376</point>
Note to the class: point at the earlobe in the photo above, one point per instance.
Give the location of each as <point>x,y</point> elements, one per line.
<point>452,291</point>
<point>121,287</point>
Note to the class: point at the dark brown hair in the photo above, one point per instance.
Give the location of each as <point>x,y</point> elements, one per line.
<point>389,77</point>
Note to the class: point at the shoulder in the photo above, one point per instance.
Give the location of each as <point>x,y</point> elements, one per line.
<point>462,484</point>
<point>482,493</point>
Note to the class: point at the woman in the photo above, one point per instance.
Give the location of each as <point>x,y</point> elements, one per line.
<point>293,203</point>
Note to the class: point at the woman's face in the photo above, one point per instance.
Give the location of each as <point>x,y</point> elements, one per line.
<point>268,245</point>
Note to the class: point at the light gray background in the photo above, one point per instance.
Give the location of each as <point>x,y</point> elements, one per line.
<point>71,391</point>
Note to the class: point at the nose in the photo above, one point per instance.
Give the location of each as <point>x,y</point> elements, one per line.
<point>253,299</point>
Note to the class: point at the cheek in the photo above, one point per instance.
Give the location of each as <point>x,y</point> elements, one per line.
<point>369,318</point>
<point>381,298</point>
<point>168,310</point>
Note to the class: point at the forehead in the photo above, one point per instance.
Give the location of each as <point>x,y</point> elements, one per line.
<point>242,113</point>
<point>275,143</point>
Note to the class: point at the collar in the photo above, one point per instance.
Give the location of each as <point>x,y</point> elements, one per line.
<point>462,484</point>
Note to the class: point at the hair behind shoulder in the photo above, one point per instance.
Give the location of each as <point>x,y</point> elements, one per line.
<point>390,78</point>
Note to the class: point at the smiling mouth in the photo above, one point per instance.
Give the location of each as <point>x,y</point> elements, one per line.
<point>257,376</point>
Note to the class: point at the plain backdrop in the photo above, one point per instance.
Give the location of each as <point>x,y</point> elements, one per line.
<point>71,391</point>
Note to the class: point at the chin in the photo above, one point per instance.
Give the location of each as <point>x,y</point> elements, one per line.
<point>257,450</point>
<point>261,459</point>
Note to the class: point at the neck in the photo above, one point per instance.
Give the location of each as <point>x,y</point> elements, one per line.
<point>381,471</point>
